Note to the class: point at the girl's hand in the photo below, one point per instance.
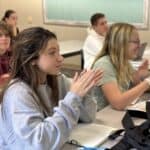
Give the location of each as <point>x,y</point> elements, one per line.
<point>3,79</point>
<point>143,69</point>
<point>84,81</point>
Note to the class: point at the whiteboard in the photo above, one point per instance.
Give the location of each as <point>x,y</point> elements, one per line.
<point>78,12</point>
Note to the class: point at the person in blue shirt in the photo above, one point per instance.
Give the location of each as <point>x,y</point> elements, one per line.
<point>40,106</point>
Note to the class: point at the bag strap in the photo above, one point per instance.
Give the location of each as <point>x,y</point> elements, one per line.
<point>127,118</point>
<point>148,109</point>
<point>137,114</point>
<point>130,129</point>
<point>121,145</point>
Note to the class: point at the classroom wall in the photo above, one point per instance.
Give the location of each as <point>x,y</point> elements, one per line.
<point>30,14</point>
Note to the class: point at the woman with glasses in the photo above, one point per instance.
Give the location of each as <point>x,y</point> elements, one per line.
<point>121,45</point>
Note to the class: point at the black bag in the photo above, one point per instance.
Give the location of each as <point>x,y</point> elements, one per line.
<point>135,136</point>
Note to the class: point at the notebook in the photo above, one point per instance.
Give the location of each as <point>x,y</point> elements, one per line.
<point>141,52</point>
<point>138,106</point>
<point>91,135</point>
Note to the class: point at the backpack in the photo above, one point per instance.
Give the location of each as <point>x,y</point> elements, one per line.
<point>135,136</point>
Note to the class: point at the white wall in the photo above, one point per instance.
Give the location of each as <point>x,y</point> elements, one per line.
<point>27,9</point>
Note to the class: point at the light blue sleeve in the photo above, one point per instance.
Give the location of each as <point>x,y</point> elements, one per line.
<point>36,131</point>
<point>88,106</point>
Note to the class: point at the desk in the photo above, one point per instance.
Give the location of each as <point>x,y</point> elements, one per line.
<point>113,118</point>
<point>110,117</point>
<point>70,48</point>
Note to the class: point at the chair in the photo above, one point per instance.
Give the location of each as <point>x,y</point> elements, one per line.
<point>82,60</point>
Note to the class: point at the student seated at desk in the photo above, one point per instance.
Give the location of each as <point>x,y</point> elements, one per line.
<point>5,52</point>
<point>10,18</point>
<point>121,45</point>
<point>40,107</point>
<point>95,38</point>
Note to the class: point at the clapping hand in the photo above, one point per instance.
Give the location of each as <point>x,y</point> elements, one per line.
<point>3,79</point>
<point>84,81</point>
<point>143,69</point>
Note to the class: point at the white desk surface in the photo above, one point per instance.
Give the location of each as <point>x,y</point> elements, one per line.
<point>70,46</point>
<point>76,45</point>
<point>106,116</point>
<point>110,117</point>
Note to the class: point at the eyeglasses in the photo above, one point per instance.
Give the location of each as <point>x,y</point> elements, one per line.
<point>135,42</point>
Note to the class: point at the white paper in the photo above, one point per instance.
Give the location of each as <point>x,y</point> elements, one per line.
<point>91,135</point>
<point>138,106</point>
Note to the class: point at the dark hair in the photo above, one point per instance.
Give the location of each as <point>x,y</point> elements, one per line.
<point>94,18</point>
<point>27,47</point>
<point>7,14</point>
<point>6,29</point>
